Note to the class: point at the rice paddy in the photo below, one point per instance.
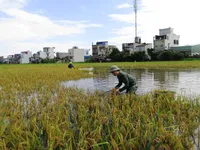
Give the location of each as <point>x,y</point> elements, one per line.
<point>37,113</point>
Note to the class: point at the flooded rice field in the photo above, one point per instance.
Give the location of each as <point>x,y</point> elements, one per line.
<point>184,82</point>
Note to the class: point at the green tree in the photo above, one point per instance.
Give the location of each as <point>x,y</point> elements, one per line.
<point>113,54</point>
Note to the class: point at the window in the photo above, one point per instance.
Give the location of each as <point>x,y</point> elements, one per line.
<point>176,42</point>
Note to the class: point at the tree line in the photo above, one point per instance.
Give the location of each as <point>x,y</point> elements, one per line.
<point>151,55</point>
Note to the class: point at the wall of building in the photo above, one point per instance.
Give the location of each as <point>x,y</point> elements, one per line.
<point>134,47</point>
<point>42,55</point>
<point>129,47</point>
<point>77,55</point>
<point>1,58</point>
<point>144,47</point>
<point>62,55</point>
<point>159,45</point>
<point>102,49</point>
<point>170,39</point>
<point>25,57</point>
<point>49,52</point>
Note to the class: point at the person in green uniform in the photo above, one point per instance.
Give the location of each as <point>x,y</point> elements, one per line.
<point>128,80</point>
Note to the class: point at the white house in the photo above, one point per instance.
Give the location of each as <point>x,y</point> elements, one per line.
<point>25,57</point>
<point>76,54</point>
<point>166,39</point>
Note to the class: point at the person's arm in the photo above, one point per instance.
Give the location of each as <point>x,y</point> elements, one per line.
<point>118,85</point>
<point>126,84</point>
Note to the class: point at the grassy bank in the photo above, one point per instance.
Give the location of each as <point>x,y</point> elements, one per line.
<point>138,65</point>
<point>151,65</point>
<point>37,113</point>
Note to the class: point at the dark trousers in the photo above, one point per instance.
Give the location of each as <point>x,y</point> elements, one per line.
<point>131,90</point>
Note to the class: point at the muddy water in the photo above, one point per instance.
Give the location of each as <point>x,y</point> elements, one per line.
<point>184,82</point>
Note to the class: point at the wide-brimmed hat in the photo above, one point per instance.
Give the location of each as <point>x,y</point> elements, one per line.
<point>114,68</point>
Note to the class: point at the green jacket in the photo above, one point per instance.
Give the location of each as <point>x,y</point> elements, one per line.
<point>127,79</point>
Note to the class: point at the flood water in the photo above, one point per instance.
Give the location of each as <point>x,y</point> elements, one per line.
<point>184,82</point>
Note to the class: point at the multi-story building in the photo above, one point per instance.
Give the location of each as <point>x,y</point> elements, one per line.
<point>101,50</point>
<point>76,54</point>
<point>49,52</point>
<point>166,39</point>
<point>25,57</point>
<point>135,47</point>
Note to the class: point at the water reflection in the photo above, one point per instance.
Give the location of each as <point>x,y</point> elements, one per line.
<point>185,82</point>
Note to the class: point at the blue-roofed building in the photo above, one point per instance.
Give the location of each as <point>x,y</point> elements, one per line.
<point>190,50</point>
<point>102,50</point>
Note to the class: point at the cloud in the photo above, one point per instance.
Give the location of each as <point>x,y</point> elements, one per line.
<point>126,5</point>
<point>19,27</point>
<point>25,26</point>
<point>160,14</point>
<point>7,4</point>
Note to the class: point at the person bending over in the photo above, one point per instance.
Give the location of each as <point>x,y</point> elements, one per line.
<point>128,80</point>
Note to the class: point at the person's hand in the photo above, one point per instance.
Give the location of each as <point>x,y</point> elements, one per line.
<point>117,91</point>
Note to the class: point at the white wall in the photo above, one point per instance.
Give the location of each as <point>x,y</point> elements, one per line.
<point>166,43</point>
<point>144,47</point>
<point>42,55</point>
<point>148,46</point>
<point>77,54</point>
<point>25,58</point>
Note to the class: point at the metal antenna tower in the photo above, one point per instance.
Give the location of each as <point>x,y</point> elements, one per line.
<point>135,6</point>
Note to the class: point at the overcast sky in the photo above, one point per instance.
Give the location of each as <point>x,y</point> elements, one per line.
<point>34,24</point>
